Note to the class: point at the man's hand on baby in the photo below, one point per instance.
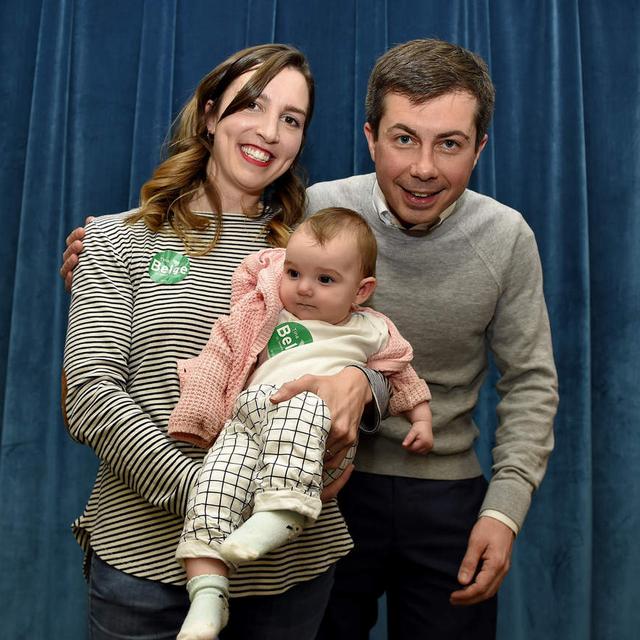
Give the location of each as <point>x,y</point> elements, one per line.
<point>332,489</point>
<point>71,253</point>
<point>345,394</point>
<point>420,438</point>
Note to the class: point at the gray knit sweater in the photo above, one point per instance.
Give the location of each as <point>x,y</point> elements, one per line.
<point>471,284</point>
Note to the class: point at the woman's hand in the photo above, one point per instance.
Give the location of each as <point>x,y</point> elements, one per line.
<point>345,394</point>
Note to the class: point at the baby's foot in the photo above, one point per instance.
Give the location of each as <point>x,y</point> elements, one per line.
<point>209,610</point>
<point>264,531</point>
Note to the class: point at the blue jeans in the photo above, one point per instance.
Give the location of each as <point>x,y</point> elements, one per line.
<point>123,607</point>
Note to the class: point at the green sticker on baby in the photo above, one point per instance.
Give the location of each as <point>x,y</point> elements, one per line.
<point>169,267</point>
<point>287,336</point>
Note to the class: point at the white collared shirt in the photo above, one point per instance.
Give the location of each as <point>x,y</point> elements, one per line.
<point>391,220</point>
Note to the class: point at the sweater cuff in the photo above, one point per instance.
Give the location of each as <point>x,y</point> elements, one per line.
<point>373,412</point>
<point>191,436</point>
<point>509,497</point>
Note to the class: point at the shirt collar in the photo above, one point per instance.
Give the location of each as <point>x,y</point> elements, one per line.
<point>390,220</point>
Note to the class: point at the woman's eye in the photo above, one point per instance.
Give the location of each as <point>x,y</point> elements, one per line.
<point>290,120</point>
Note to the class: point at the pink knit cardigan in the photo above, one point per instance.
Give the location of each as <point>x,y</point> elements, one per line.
<point>210,382</point>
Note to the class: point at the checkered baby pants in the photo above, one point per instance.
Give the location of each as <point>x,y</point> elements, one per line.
<point>267,457</point>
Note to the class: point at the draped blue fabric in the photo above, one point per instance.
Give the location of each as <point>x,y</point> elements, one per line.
<point>88,92</point>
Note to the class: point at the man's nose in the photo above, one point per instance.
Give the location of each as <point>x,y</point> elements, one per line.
<point>424,166</point>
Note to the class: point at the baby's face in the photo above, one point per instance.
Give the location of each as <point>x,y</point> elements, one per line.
<point>321,282</point>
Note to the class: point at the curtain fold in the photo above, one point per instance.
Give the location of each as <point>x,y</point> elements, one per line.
<point>89,92</point>
<point>154,91</point>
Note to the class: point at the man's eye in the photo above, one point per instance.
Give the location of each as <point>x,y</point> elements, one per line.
<point>404,139</point>
<point>450,145</point>
<point>325,279</point>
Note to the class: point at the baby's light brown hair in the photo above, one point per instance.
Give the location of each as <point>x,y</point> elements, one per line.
<point>326,224</point>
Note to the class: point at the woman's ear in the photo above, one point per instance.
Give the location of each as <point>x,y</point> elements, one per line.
<point>210,116</point>
<point>366,289</point>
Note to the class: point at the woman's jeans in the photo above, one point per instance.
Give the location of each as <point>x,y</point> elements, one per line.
<point>123,607</point>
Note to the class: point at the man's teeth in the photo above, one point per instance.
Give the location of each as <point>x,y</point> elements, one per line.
<point>256,154</point>
<point>420,195</point>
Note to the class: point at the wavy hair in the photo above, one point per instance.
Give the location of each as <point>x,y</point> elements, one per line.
<point>166,197</point>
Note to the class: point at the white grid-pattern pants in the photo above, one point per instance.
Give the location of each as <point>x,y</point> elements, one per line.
<point>267,457</point>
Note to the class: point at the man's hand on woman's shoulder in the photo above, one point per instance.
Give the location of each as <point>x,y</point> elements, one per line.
<point>71,253</point>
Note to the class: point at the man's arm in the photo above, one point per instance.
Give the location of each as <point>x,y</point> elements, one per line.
<point>346,394</point>
<point>520,340</point>
<point>71,253</point>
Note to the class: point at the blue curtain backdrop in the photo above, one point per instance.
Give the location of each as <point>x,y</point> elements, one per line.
<point>88,91</point>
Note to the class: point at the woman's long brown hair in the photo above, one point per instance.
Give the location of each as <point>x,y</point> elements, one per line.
<point>166,197</point>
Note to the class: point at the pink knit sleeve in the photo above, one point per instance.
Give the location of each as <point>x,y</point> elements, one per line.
<point>210,382</point>
<point>200,413</point>
<point>394,361</point>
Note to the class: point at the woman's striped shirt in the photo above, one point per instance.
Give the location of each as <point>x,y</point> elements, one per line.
<point>139,304</point>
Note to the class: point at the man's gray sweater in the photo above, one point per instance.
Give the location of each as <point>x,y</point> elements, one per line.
<point>472,283</point>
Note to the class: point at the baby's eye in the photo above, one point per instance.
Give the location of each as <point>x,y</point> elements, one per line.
<point>292,273</point>
<point>325,279</point>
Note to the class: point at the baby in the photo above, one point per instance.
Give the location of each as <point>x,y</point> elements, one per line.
<point>292,313</point>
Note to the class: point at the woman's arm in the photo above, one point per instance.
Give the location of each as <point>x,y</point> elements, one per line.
<point>100,411</point>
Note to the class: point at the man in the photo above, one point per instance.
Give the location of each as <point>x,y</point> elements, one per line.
<point>459,274</point>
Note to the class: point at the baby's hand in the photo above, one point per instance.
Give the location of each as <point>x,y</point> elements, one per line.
<point>420,438</point>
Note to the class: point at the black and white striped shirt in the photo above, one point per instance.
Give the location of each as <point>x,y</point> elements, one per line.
<point>139,303</point>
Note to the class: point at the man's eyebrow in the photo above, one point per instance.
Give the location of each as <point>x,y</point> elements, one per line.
<point>403,127</point>
<point>451,134</point>
<point>439,136</point>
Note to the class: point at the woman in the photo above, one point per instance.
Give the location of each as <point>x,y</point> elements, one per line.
<point>146,293</point>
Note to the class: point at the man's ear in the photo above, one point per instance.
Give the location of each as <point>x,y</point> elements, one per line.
<point>365,290</point>
<point>481,146</point>
<point>371,140</point>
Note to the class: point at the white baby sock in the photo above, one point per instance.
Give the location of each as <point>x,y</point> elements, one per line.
<point>209,610</point>
<point>264,531</point>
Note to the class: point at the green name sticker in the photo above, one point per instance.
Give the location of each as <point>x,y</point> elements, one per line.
<point>287,336</point>
<point>169,267</point>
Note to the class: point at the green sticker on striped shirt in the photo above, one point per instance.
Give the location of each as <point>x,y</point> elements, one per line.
<point>287,336</point>
<point>169,267</point>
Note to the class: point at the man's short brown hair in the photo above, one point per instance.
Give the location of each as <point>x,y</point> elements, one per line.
<point>326,224</point>
<point>425,69</point>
